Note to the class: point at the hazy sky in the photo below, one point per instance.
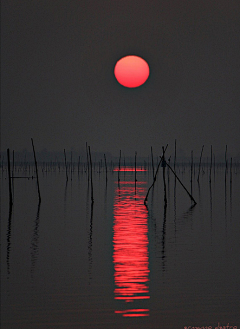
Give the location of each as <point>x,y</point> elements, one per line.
<point>58,85</point>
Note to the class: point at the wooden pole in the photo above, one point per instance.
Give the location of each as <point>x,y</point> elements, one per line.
<point>87,161</point>
<point>9,180</point>
<point>135,166</point>
<point>164,180</point>
<point>175,154</point>
<point>155,177</point>
<point>90,158</point>
<point>191,169</point>
<point>226,161</point>
<point>35,160</point>
<point>105,165</point>
<point>71,165</point>
<point>231,172</point>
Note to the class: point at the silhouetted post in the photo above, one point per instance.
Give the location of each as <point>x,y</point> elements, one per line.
<point>231,173</point>
<point>155,177</point>
<point>152,162</point>
<point>71,166</point>
<point>135,167</point>
<point>87,161</point>
<point>65,158</point>
<point>35,160</point>
<point>13,172</point>
<point>200,163</point>
<point>191,169</point>
<point>9,179</point>
<point>105,165</point>
<point>90,158</point>
<point>226,161</point>
<point>164,180</point>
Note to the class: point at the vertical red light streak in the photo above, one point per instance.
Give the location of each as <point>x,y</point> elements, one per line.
<point>130,242</point>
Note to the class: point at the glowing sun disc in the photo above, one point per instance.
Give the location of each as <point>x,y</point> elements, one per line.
<point>131,71</point>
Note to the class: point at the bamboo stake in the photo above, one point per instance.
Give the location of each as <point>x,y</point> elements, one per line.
<point>155,177</point>
<point>105,166</point>
<point>87,161</point>
<point>9,180</point>
<point>226,161</point>
<point>135,167</point>
<point>231,173</point>
<point>71,166</point>
<point>191,169</point>
<point>164,180</point>
<point>90,158</point>
<point>35,160</point>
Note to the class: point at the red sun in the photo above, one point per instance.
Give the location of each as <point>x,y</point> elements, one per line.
<point>131,71</point>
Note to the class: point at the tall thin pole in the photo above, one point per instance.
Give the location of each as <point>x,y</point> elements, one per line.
<point>226,161</point>
<point>71,165</point>
<point>231,174</point>
<point>105,165</point>
<point>35,160</point>
<point>191,169</point>
<point>87,161</point>
<point>90,158</point>
<point>164,180</point>
<point>9,180</point>
<point>135,167</point>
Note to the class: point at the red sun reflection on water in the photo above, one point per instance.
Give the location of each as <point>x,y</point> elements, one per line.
<point>130,242</point>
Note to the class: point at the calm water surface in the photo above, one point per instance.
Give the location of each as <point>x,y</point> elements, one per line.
<point>118,264</point>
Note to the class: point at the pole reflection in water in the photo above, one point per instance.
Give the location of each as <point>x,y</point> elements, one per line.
<point>130,248</point>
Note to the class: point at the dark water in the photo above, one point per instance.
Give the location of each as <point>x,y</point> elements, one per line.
<point>118,264</point>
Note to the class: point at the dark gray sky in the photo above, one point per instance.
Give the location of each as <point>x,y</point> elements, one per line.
<point>58,85</point>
